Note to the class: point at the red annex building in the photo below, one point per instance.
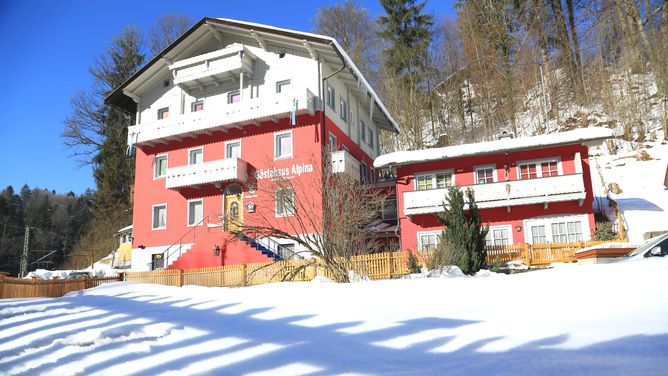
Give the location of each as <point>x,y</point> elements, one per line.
<point>530,190</point>
<point>220,113</point>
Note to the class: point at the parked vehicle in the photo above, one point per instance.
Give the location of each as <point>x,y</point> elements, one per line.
<point>78,274</point>
<point>655,247</point>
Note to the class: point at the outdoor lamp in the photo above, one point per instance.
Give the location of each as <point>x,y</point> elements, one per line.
<point>216,250</point>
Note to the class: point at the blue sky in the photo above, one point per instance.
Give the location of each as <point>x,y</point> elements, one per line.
<point>48,47</point>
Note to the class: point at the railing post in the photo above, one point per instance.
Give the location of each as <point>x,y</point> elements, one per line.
<point>179,280</point>
<point>33,282</point>
<point>2,284</point>
<point>389,265</point>
<point>243,275</point>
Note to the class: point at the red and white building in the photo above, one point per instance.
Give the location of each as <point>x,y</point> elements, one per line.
<point>530,190</point>
<point>222,111</point>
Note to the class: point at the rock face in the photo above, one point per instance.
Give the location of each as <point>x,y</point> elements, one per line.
<point>642,155</point>
<point>614,188</point>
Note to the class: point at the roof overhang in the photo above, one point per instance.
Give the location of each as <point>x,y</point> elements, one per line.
<point>317,46</point>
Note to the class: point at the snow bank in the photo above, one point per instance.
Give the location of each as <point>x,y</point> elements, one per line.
<point>575,320</point>
<point>581,135</point>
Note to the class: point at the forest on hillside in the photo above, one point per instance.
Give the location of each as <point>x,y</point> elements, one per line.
<point>527,67</point>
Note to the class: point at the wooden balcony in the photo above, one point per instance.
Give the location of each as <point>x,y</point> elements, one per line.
<point>344,162</point>
<point>213,67</point>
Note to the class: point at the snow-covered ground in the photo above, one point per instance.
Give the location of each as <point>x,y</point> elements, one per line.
<point>573,319</point>
<point>643,200</point>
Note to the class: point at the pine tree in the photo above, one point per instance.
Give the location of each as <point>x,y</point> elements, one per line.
<point>464,235</point>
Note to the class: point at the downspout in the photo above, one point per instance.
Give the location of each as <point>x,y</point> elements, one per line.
<point>322,114</point>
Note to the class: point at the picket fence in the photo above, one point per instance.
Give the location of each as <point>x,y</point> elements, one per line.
<point>374,266</point>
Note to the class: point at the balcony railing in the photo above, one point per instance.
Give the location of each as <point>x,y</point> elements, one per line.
<point>343,162</point>
<point>222,118</point>
<point>507,193</point>
<point>233,169</point>
<point>216,66</point>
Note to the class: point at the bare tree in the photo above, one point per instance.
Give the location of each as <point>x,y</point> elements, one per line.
<point>332,229</point>
<point>167,29</point>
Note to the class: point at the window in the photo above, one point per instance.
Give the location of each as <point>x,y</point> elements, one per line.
<point>160,166</point>
<point>436,180</point>
<point>233,149</point>
<point>332,142</point>
<point>484,175</point>
<point>538,169</point>
<point>549,168</point>
<point>285,202</point>
<point>233,97</point>
<point>196,106</point>
<point>283,86</point>
<point>370,137</point>
<point>363,172</point>
<point>283,145</point>
<point>362,130</point>
<point>195,212</point>
<point>159,217</point>
<point>344,109</point>
<point>566,232</point>
<point>499,236</point>
<point>163,113</point>
<point>196,156</point>
<point>390,209</point>
<point>563,229</point>
<point>331,97</point>
<point>538,235</point>
<point>428,241</point>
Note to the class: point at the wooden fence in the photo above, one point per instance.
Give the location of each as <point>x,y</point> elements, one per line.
<point>51,288</point>
<point>374,266</point>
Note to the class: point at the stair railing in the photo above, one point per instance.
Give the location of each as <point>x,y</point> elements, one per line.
<point>179,242</point>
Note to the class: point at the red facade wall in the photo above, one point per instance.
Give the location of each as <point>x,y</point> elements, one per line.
<point>464,175</point>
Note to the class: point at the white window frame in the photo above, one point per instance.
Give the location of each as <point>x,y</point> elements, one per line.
<point>362,130</point>
<point>333,146</point>
<point>539,171</point>
<point>343,110</point>
<point>451,171</point>
<point>287,213</point>
<point>153,216</point>
<point>331,97</point>
<point>190,161</point>
<point>188,202</point>
<point>370,138</point>
<point>508,228</point>
<point>365,177</point>
<point>280,86</point>
<point>485,167</point>
<point>227,156</point>
<point>292,147</point>
<point>420,234</point>
<point>155,166</point>
<point>547,221</point>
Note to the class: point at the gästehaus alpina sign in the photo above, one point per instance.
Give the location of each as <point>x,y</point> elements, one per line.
<point>295,170</point>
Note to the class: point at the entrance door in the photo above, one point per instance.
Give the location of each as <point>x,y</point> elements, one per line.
<point>233,208</point>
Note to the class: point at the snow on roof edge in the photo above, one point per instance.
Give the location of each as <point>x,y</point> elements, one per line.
<point>579,135</point>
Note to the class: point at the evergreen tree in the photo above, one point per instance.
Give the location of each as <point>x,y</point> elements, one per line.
<point>464,235</point>
<point>408,33</point>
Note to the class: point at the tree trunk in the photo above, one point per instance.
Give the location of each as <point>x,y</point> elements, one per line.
<point>565,43</point>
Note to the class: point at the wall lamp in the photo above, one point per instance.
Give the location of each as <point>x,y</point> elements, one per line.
<point>216,250</point>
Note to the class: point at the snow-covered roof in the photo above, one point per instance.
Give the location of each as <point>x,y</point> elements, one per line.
<point>592,135</point>
<point>124,229</point>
